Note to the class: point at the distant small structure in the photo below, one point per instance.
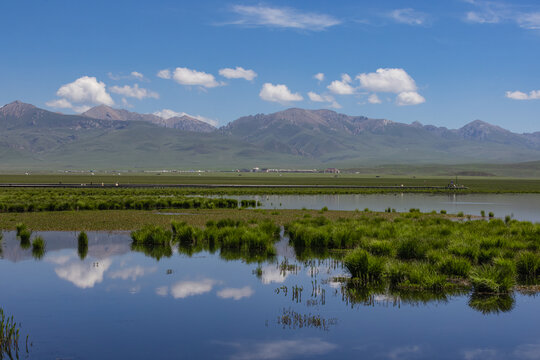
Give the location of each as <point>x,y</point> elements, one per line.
<point>332,171</point>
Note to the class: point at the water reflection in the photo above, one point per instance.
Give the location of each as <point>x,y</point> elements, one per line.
<point>84,275</point>
<point>293,307</point>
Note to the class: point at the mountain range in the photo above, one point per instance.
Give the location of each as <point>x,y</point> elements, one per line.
<point>107,138</point>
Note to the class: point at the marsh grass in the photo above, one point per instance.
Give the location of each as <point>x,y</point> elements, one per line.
<point>37,200</point>
<point>10,333</point>
<point>426,252</point>
<point>38,247</point>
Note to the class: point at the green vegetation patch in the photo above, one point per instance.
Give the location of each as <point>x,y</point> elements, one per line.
<point>426,252</point>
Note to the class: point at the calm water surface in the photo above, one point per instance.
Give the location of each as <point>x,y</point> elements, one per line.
<point>122,304</point>
<point>520,206</point>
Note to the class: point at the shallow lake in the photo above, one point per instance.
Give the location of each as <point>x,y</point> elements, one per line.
<point>122,304</point>
<point>520,206</point>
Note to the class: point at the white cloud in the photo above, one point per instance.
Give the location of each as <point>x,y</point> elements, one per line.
<point>135,92</point>
<point>236,293</point>
<point>409,16</point>
<point>187,76</point>
<point>529,21</point>
<point>238,73</point>
<point>184,289</point>
<point>59,103</point>
<point>518,95</point>
<point>528,352</point>
<point>168,113</point>
<point>272,274</point>
<point>374,99</point>
<point>278,93</point>
<point>404,352</point>
<point>133,75</point>
<point>480,354</point>
<point>284,17</point>
<point>164,74</point>
<point>319,76</point>
<point>323,98</point>
<point>342,87</point>
<point>410,98</point>
<point>283,349</point>
<point>84,91</point>
<point>162,291</point>
<point>84,275</point>
<point>387,80</point>
<point>64,104</point>
<point>58,259</point>
<point>493,12</point>
<point>137,75</point>
<point>131,272</point>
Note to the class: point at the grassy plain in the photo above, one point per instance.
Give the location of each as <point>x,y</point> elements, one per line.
<point>475,184</point>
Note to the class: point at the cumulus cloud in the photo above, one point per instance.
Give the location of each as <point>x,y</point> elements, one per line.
<point>282,17</point>
<point>409,98</point>
<point>134,91</point>
<point>323,98</point>
<point>238,73</point>
<point>59,103</point>
<point>84,275</point>
<point>235,293</point>
<point>187,76</point>
<point>480,354</point>
<point>342,87</point>
<point>283,349</point>
<point>387,80</point>
<point>168,113</point>
<point>519,95</point>
<point>409,16</point>
<point>374,99</point>
<point>278,93</point>
<point>137,75</point>
<point>131,273</point>
<point>184,289</point>
<point>86,90</point>
<point>319,76</point>
<point>164,74</point>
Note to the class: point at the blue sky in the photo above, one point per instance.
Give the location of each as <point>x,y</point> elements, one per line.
<point>438,62</point>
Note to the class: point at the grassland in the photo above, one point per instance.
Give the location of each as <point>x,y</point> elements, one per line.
<point>475,184</point>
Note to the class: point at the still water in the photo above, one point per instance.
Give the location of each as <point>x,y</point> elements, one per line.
<point>520,206</point>
<point>122,304</point>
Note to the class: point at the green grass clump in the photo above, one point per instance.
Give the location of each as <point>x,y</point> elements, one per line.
<point>411,249</point>
<point>38,247</point>
<point>496,278</point>
<point>454,266</point>
<point>20,227</point>
<point>528,266</point>
<point>363,265</point>
<point>151,235</point>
